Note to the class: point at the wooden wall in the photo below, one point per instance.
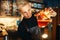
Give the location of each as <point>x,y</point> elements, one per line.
<point>56,21</point>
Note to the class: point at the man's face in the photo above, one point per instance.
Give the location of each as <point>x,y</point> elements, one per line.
<point>26,11</point>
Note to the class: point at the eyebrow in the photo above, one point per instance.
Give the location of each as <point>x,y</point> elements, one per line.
<point>28,10</point>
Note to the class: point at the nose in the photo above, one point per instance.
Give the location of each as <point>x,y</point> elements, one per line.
<point>27,14</point>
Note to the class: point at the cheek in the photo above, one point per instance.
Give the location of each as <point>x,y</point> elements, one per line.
<point>30,13</point>
<point>25,15</point>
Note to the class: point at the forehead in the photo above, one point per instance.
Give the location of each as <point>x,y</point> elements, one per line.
<point>25,8</point>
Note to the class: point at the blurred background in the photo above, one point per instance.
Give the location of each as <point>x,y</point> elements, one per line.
<point>9,8</point>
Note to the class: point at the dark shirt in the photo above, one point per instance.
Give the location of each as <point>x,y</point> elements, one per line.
<point>26,23</point>
<point>29,23</point>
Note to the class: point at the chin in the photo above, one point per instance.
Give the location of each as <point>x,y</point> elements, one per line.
<point>27,17</point>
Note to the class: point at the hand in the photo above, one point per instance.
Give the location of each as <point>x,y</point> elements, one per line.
<point>52,12</point>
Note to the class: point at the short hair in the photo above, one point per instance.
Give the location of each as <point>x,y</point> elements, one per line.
<point>22,3</point>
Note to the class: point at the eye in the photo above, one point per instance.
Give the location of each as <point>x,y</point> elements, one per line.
<point>24,12</point>
<point>29,10</point>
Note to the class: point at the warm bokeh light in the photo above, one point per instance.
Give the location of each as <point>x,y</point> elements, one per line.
<point>43,23</point>
<point>9,23</point>
<point>47,13</point>
<point>45,36</point>
<point>44,17</point>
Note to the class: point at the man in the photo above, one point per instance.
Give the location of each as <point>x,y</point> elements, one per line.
<point>28,22</point>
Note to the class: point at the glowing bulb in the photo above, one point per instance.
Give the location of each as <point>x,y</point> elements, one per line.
<point>43,26</point>
<point>44,36</point>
